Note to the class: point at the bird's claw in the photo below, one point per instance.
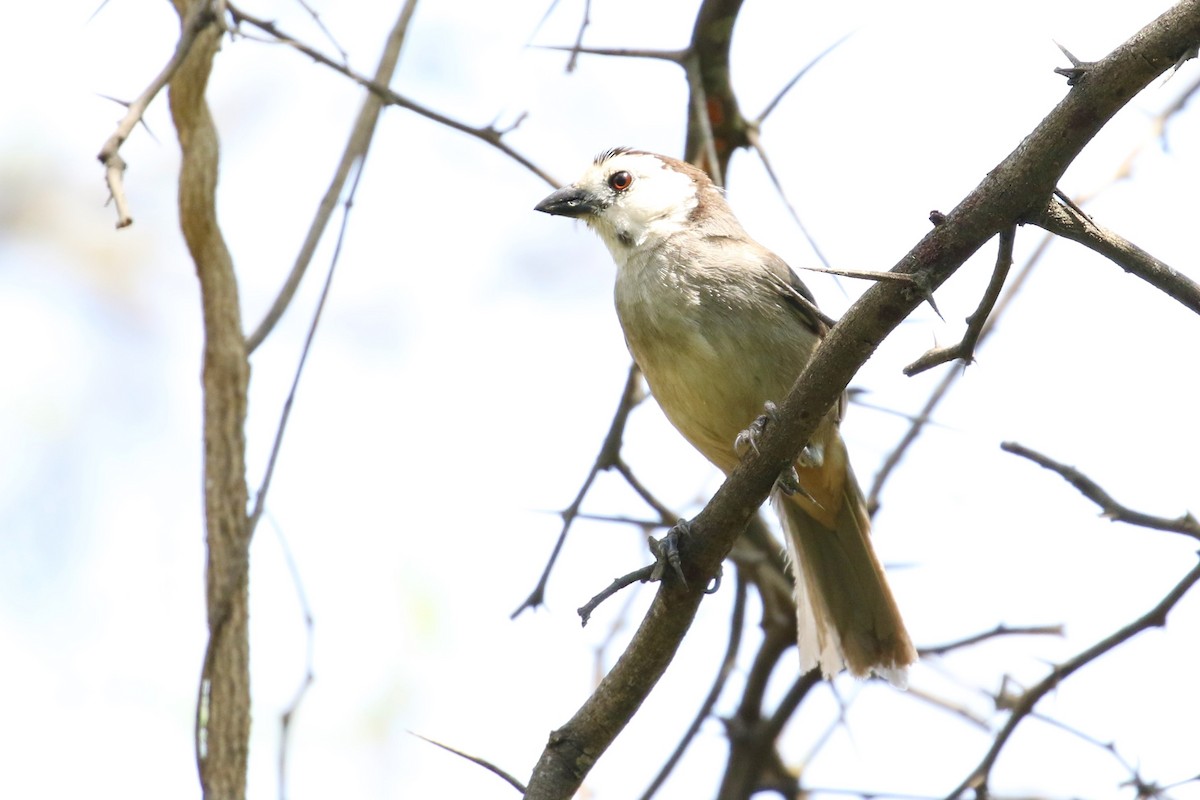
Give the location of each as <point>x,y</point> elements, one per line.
<point>748,439</point>
<point>812,456</point>
<point>666,552</point>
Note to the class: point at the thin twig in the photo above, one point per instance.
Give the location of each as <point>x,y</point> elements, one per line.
<point>644,492</point>
<point>756,143</point>
<point>674,56</point>
<point>285,719</point>
<point>787,87</point>
<point>355,152</point>
<point>1109,508</point>
<point>489,766</point>
<point>965,349</point>
<point>637,576</point>
<point>486,134</point>
<point>587,20</point>
<point>328,34</point>
<point>606,459</point>
<point>994,633</point>
<point>957,709</point>
<point>285,414</point>
<point>914,281</point>
<point>699,112</point>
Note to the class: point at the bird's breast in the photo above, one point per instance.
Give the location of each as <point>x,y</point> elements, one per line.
<point>712,351</point>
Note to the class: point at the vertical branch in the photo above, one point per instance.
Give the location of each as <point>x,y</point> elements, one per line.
<point>223,711</point>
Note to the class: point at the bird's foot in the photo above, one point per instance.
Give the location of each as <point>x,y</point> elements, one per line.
<point>666,552</point>
<point>813,454</point>
<point>747,440</point>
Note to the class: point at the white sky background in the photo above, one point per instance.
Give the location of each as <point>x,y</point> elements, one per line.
<point>467,368</point>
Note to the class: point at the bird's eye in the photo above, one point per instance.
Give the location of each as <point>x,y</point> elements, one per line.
<point>620,181</point>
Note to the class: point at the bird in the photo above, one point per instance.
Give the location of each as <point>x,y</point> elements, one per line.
<point>721,327</point>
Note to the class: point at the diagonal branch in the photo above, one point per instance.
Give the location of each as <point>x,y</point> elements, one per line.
<point>355,152</point>
<point>607,458</point>
<point>1065,219</point>
<point>488,134</point>
<point>1020,183</point>
<point>1155,617</point>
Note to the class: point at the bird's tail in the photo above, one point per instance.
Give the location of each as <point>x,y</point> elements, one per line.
<point>845,612</point>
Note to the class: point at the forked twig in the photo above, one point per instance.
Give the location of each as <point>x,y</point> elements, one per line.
<point>965,349</point>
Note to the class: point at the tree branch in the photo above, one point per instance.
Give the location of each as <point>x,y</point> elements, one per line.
<point>489,134</point>
<point>1064,218</point>
<point>1008,193</point>
<point>355,152</point>
<point>1156,617</point>
<point>1109,508</point>
<point>607,458</point>
<point>223,706</point>
<point>965,349</point>
<point>195,20</point>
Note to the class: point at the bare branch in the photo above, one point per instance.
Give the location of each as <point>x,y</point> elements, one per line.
<point>965,349</point>
<point>766,112</point>
<point>285,414</point>
<point>486,134</point>
<point>312,12</point>
<point>994,633</point>
<point>587,20</point>
<point>637,576</point>
<point>674,56</point>
<point>607,458</point>
<point>289,713</point>
<point>222,721</point>
<point>1065,219</point>
<point>1020,182</point>
<point>489,766</point>
<point>1025,704</point>
<point>355,153</point>
<point>198,17</point>
<point>1109,508</point>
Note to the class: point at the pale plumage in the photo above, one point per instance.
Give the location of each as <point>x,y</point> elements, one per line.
<point>719,326</point>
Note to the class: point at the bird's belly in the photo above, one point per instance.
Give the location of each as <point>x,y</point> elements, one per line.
<point>710,388</point>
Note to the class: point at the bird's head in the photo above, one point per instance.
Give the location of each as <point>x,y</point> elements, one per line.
<point>635,199</point>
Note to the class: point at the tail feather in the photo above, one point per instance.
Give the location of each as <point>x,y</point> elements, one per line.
<point>845,612</point>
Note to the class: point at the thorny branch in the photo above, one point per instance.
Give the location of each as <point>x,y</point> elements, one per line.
<point>1064,218</point>
<point>965,349</point>
<point>1020,182</point>
<point>1156,130</point>
<point>198,17</point>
